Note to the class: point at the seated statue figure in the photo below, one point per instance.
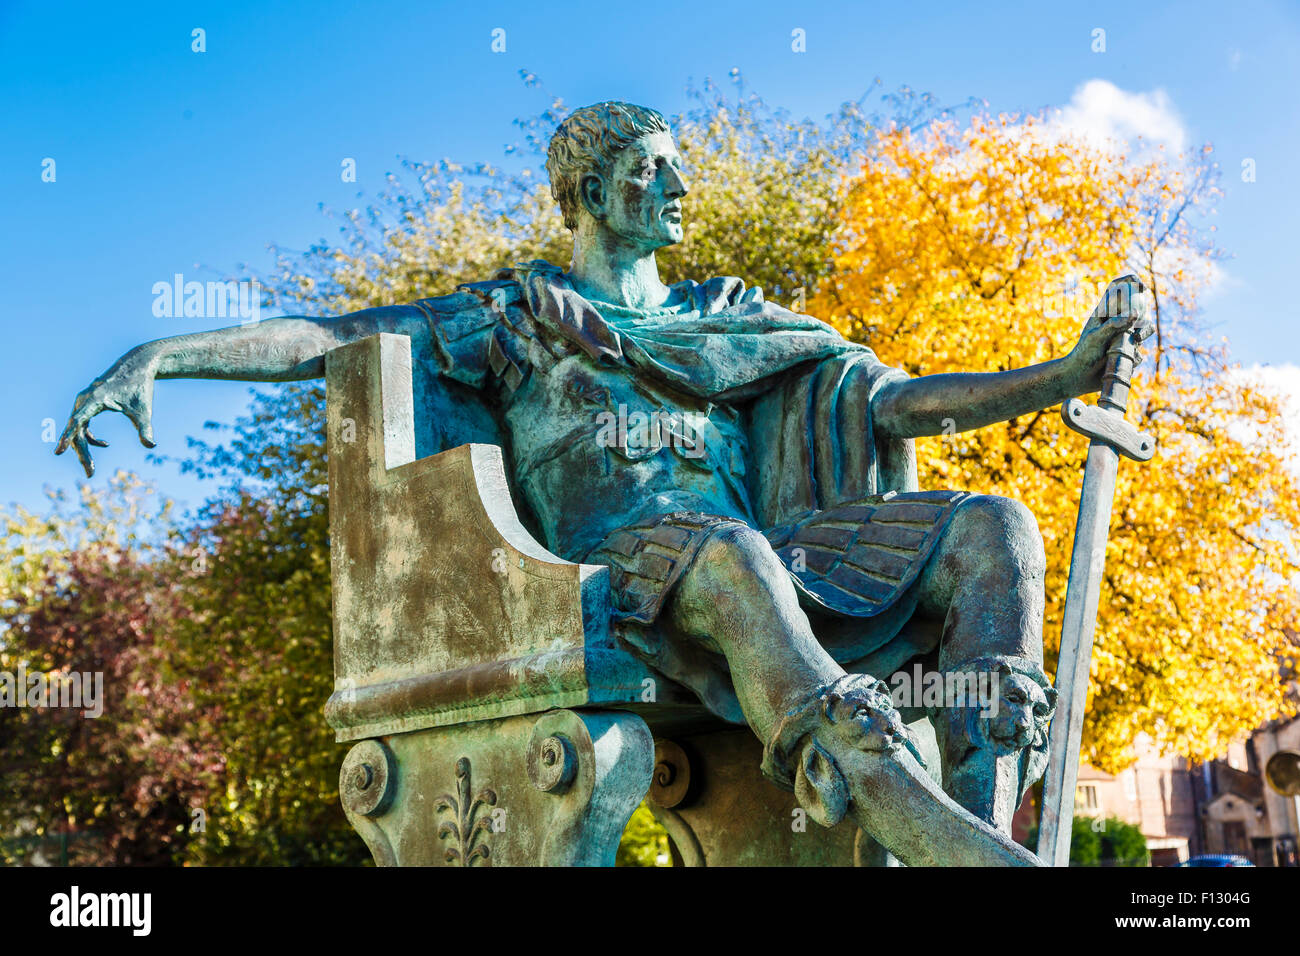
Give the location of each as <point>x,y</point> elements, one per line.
<point>749,477</point>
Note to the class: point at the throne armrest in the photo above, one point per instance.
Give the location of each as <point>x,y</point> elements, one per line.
<point>446,610</point>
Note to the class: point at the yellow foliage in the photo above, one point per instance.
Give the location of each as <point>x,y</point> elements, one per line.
<point>983,249</point>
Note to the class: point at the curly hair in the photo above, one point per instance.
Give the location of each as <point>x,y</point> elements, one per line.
<point>588,140</point>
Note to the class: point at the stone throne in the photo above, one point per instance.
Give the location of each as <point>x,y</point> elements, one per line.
<point>492,716</point>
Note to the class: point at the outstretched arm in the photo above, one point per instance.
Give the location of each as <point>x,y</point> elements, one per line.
<point>934,404</point>
<point>911,408</point>
<point>286,349</point>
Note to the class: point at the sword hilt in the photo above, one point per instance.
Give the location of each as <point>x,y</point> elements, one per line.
<point>1121,359</point>
<point>1105,421</point>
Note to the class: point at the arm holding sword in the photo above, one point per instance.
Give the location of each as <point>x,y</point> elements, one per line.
<point>917,407</point>
<point>986,583</point>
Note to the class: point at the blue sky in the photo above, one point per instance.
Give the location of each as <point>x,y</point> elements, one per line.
<point>173,161</point>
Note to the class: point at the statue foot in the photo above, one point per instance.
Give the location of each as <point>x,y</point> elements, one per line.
<point>897,802</point>
<point>846,752</point>
<point>991,755</point>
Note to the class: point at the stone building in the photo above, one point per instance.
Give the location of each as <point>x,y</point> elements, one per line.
<point>1240,812</point>
<point>1157,794</point>
<point>1186,810</point>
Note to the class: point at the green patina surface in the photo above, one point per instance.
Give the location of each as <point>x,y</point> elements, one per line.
<point>585,488</point>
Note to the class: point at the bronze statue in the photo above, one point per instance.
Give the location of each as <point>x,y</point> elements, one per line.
<point>759,509</point>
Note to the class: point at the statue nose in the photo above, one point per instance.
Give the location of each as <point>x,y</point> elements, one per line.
<point>676,185</point>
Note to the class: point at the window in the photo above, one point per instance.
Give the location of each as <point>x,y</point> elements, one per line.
<point>1086,796</point>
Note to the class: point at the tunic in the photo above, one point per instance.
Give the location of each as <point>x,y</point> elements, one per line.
<point>634,436</point>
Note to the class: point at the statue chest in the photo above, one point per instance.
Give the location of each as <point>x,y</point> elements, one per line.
<point>595,447</point>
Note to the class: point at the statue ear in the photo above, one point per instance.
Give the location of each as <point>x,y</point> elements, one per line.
<point>819,786</point>
<point>591,193</point>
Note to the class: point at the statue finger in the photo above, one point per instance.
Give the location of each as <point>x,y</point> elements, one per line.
<point>66,438</point>
<point>1122,297</point>
<point>1130,283</point>
<point>76,422</point>
<point>97,442</point>
<point>141,416</point>
<point>83,454</point>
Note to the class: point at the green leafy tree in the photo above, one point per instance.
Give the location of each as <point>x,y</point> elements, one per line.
<point>1122,844</point>
<point>645,842</point>
<point>1085,843</point>
<point>1102,841</point>
<point>257,640</point>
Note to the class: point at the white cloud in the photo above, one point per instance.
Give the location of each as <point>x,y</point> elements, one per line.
<point>1109,118</point>
<point>1283,381</point>
<point>1209,273</point>
<point>1103,114</point>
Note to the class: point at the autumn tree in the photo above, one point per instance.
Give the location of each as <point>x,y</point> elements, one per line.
<point>89,589</point>
<point>256,643</point>
<point>982,247</point>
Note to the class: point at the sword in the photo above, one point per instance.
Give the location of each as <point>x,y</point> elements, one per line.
<point>1111,436</point>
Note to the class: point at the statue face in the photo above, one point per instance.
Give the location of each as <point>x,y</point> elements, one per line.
<point>643,191</point>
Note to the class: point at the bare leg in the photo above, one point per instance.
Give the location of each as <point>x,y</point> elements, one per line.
<point>842,736</point>
<point>738,598</point>
<point>985,580</point>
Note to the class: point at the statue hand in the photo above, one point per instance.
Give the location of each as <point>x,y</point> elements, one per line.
<point>1122,307</point>
<point>127,387</point>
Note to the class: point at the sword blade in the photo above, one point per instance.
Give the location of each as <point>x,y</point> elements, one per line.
<point>1087,562</point>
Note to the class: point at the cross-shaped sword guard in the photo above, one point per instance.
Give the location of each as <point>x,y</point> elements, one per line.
<point>1101,425</point>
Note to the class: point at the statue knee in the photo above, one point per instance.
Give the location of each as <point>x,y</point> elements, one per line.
<point>1000,535</point>
<point>736,577</point>
<point>736,558</point>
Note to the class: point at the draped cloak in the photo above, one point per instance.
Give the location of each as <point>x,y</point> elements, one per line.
<point>837,501</point>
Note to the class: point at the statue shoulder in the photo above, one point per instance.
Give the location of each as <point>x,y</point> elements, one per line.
<point>473,307</point>
<point>482,330</point>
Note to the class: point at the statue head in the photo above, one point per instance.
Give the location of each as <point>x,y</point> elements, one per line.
<point>614,169</point>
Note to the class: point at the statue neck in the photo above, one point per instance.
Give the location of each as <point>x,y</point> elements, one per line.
<point>609,270</point>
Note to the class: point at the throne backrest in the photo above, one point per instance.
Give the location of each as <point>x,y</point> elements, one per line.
<point>446,609</point>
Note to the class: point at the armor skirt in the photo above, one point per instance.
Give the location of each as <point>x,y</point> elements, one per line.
<point>856,560</point>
